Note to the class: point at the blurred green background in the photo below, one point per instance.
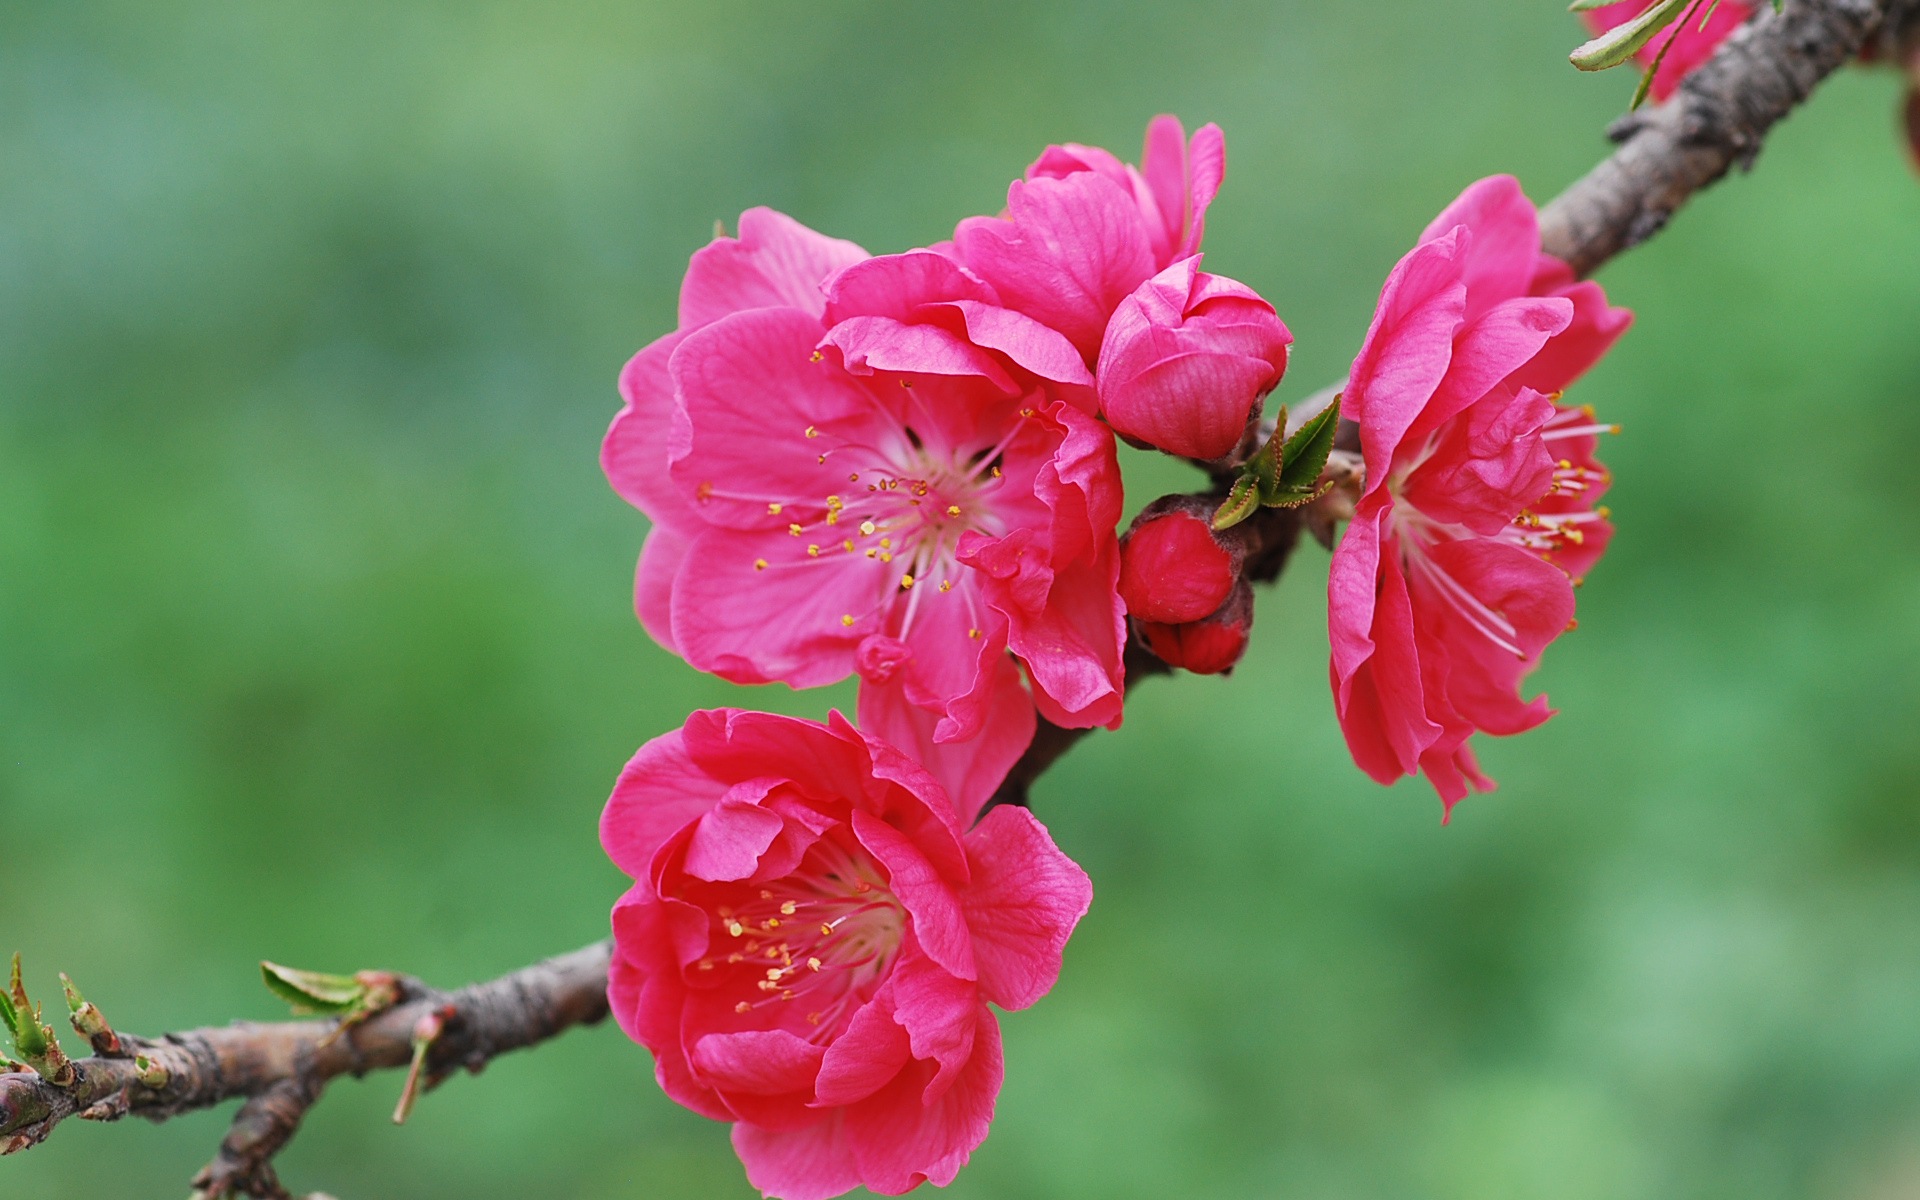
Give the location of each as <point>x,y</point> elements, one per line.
<point>315,640</point>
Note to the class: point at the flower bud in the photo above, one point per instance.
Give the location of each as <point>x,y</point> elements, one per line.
<point>1186,360</point>
<point>1173,569</point>
<point>1210,646</point>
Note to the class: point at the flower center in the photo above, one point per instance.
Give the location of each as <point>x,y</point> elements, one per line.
<point>821,939</point>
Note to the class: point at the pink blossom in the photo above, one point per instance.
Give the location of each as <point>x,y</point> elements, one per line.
<point>1186,360</point>
<point>1455,572</point>
<point>811,943</point>
<point>872,473</point>
<point>1083,229</point>
<point>1693,43</point>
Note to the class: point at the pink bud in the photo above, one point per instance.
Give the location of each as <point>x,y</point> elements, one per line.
<point>1206,647</point>
<point>1173,570</point>
<point>1186,360</point>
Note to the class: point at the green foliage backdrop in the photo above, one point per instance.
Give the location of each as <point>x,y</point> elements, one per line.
<point>315,640</point>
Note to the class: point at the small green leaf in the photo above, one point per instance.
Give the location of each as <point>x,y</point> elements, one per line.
<point>1305,454</point>
<point>1589,5</point>
<point>314,991</point>
<point>9,1017</point>
<point>1622,42</point>
<point>1241,502</point>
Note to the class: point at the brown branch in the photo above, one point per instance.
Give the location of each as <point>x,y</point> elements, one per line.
<point>1719,119</point>
<point>280,1069</point>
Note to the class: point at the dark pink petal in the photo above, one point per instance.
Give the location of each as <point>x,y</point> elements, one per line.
<point>1487,466</point>
<point>1595,327</point>
<point>1353,586</point>
<point>776,262</point>
<point>1032,346</point>
<point>1534,596</point>
<point>869,344</point>
<point>1407,351</point>
<point>634,454</point>
<point>660,558</point>
<point>1069,252</point>
<point>811,1163</point>
<point>1206,170</point>
<point>661,791</point>
<point>1024,901</point>
<point>897,285</point>
<point>757,1062</point>
<point>928,898</point>
<point>646,996</point>
<point>1381,702</point>
<point>1504,241</point>
<point>821,760</point>
<point>865,1057</point>
<point>940,1014</point>
<point>786,621</point>
<point>971,770</point>
<point>1163,166</point>
<point>900,1144</point>
<point>750,387</point>
<point>1493,344</point>
<point>1072,646</point>
<point>728,841</point>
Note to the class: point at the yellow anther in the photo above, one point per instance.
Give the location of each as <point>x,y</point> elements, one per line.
<point>770,923</point>
<point>794,529</point>
<point>813,551</point>
<point>743,1007</point>
<point>854,478</point>
<point>946,585</point>
<point>973,633</point>
<point>885,557</point>
<point>846,619</point>
<point>812,432</point>
<point>906,383</point>
<point>886,543</point>
<point>813,1018</point>
<point>704,491</point>
<point>821,460</point>
<point>867,528</point>
<point>816,356</point>
<point>788,908</point>
<point>773,509</point>
<point>736,928</point>
<point>833,516</point>
<point>834,502</point>
<point>774,973</point>
<point>1604,513</point>
<point>872,553</point>
<point>906,583</point>
<point>1026,412</point>
<point>847,545</point>
<point>759,564</point>
<point>786,993</point>
<point>768,985</point>
<point>825,929</point>
<point>996,472</point>
<point>813,964</point>
<point>953,510</point>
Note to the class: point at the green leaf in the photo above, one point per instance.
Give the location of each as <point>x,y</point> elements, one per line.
<point>1305,454</point>
<point>1622,42</point>
<point>1241,502</point>
<point>1589,5</point>
<point>1653,68</point>
<point>314,991</point>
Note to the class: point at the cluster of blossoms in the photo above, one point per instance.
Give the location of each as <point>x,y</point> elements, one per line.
<point>903,468</point>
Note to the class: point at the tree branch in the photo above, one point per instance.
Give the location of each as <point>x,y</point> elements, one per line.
<point>1719,119</point>
<point>281,1068</point>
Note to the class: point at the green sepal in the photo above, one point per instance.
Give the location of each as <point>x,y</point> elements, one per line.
<point>1242,501</point>
<point>34,1042</point>
<point>1622,42</point>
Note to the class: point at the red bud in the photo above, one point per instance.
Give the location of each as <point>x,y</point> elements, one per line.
<point>1173,569</point>
<point>1210,646</point>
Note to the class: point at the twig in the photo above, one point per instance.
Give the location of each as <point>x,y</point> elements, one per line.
<point>281,1068</point>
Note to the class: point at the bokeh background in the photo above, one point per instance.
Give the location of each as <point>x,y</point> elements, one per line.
<point>315,641</point>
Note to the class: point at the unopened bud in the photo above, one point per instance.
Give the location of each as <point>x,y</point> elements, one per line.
<point>1173,567</point>
<point>1209,646</point>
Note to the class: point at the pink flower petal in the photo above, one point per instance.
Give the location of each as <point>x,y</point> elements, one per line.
<point>811,1163</point>
<point>929,899</point>
<point>634,454</point>
<point>776,262</point>
<point>729,839</point>
<point>970,770</point>
<point>660,558</point>
<point>660,792</point>
<point>1407,351</point>
<point>1024,902</point>
<point>899,1143</point>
